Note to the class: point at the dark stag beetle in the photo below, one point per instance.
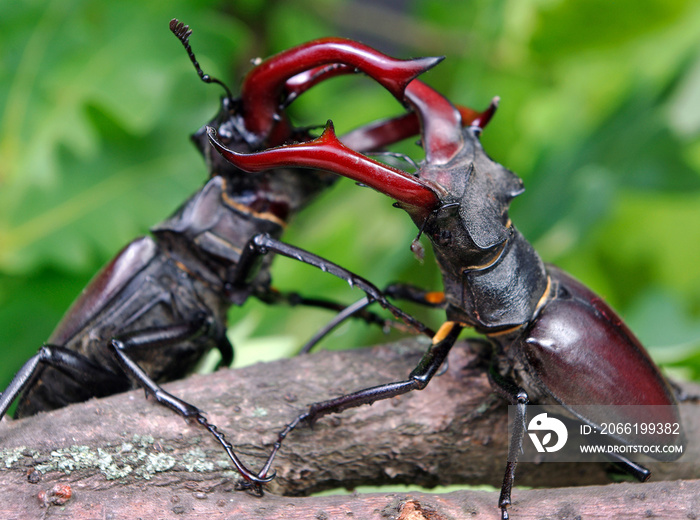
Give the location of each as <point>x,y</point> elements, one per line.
<point>161,303</point>
<point>550,334</point>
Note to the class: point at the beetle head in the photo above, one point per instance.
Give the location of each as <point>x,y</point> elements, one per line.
<point>456,162</point>
<point>479,192</point>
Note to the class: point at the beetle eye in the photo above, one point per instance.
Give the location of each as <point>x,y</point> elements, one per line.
<point>443,238</point>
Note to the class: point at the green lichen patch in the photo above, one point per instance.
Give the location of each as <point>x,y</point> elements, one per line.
<point>156,463</point>
<point>195,460</point>
<point>10,456</point>
<point>140,457</point>
<point>259,412</point>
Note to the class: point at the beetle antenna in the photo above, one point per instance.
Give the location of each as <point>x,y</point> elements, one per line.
<point>183,33</point>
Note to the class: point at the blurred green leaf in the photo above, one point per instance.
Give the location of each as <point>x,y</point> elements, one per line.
<point>566,28</point>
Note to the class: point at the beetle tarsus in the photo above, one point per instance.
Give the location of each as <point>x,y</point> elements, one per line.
<point>158,338</point>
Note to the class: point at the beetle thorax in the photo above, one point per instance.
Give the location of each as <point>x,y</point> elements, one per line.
<point>493,277</point>
<point>281,192</point>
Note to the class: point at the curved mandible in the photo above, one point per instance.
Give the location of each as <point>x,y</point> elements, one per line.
<point>264,85</point>
<point>328,153</point>
<point>300,83</point>
<point>379,134</point>
<point>481,119</point>
<point>440,120</point>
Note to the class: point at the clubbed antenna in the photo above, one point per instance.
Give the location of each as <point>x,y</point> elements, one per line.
<point>183,32</point>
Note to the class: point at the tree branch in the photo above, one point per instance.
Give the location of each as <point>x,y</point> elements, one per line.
<point>128,457</point>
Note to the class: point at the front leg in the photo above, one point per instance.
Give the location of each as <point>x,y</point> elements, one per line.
<point>414,294</point>
<point>263,244</point>
<point>95,379</point>
<point>418,379</point>
<point>160,337</point>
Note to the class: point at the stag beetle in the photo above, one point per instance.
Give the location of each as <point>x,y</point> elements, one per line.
<point>553,339</point>
<point>161,303</point>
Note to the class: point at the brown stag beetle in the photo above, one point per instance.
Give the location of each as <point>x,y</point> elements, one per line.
<point>553,339</point>
<point>161,303</point>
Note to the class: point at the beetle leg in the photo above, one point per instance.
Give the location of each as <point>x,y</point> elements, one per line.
<point>516,444</point>
<point>354,310</point>
<point>272,296</point>
<point>636,470</point>
<point>168,335</point>
<point>225,348</point>
<point>74,365</point>
<point>411,293</point>
<point>397,291</point>
<point>682,396</point>
<point>263,244</point>
<point>508,389</point>
<point>418,379</point>
<point>348,312</point>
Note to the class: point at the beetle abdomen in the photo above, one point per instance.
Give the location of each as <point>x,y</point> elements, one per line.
<point>583,355</point>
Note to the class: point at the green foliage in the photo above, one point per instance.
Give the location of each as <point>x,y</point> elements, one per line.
<point>600,115</point>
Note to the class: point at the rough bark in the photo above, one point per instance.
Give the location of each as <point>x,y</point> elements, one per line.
<point>126,457</point>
